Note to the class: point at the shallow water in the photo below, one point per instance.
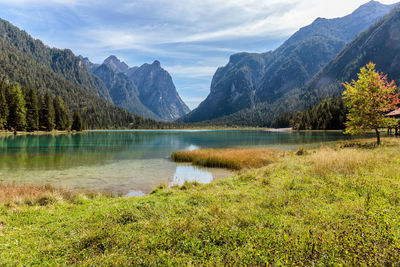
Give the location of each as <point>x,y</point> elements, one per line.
<point>130,162</point>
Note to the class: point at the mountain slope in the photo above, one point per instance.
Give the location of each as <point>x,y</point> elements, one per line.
<point>96,112</point>
<point>148,91</point>
<point>157,91</point>
<point>262,79</point>
<point>123,92</point>
<point>232,88</point>
<point>20,63</point>
<point>63,62</point>
<point>379,44</point>
<point>116,65</point>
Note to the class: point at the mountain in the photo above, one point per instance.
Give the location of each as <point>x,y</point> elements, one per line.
<point>379,44</point>
<point>34,65</point>
<point>62,62</point>
<point>123,91</point>
<point>147,90</point>
<point>90,66</point>
<point>116,65</point>
<point>253,80</point>
<point>157,91</point>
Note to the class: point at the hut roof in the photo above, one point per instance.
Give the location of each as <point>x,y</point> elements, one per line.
<point>394,113</point>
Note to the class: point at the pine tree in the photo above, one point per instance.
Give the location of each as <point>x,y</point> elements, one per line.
<point>77,122</point>
<point>3,105</point>
<point>32,110</point>
<point>61,116</point>
<point>47,115</point>
<point>17,111</point>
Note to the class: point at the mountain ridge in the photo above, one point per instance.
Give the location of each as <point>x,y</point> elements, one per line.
<point>287,68</point>
<point>151,91</point>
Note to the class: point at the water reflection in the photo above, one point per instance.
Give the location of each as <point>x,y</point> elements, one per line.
<point>192,147</point>
<point>191,174</point>
<point>128,161</point>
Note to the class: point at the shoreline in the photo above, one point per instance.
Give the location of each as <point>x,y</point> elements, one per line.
<point>7,133</point>
<point>205,129</point>
<point>235,160</point>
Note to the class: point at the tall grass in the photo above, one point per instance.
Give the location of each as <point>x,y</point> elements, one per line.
<point>231,158</point>
<point>344,162</point>
<point>28,194</point>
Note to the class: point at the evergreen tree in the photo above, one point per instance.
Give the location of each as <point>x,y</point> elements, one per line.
<point>61,116</point>
<point>77,124</point>
<point>3,105</point>
<point>330,114</point>
<point>32,110</point>
<point>47,114</point>
<point>17,111</point>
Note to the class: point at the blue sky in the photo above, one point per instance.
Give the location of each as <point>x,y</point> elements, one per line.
<point>191,38</point>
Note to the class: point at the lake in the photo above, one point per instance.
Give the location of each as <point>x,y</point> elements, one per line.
<point>130,162</point>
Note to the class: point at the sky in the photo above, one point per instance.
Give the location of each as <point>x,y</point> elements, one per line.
<point>191,38</point>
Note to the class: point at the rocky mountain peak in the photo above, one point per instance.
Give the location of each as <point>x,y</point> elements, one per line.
<point>91,66</point>
<point>147,90</point>
<point>116,64</point>
<point>156,63</point>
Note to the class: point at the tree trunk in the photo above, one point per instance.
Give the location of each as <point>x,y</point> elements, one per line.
<point>378,137</point>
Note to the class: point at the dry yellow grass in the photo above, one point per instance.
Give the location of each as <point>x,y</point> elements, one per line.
<point>232,158</point>
<point>346,161</point>
<point>27,194</point>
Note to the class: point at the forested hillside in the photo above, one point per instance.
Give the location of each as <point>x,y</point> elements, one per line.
<point>62,62</point>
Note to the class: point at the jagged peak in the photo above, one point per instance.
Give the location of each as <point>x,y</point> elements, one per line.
<point>112,58</point>
<point>156,63</point>
<point>116,64</point>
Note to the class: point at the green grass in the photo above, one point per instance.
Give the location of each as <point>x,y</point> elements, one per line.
<point>330,206</point>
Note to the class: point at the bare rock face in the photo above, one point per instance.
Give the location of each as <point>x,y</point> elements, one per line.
<point>123,91</point>
<point>147,90</point>
<point>157,91</point>
<point>116,65</point>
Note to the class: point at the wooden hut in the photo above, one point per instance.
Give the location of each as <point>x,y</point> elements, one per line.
<point>395,114</point>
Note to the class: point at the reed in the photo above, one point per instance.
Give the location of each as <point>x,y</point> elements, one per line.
<point>231,158</point>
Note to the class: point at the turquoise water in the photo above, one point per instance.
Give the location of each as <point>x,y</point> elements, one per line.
<point>129,162</point>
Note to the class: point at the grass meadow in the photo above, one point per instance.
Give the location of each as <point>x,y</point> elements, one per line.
<point>334,205</point>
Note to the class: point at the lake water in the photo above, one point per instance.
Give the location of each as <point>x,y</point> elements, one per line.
<point>130,162</point>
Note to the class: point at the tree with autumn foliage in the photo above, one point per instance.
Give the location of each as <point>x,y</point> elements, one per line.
<point>368,100</point>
